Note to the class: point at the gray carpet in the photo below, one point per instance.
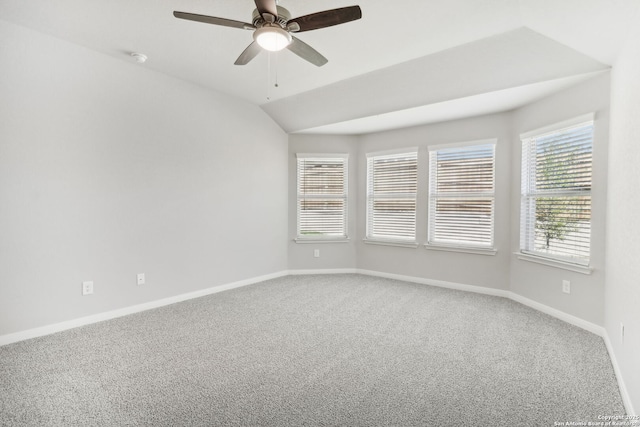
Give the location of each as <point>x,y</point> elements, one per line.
<point>339,350</point>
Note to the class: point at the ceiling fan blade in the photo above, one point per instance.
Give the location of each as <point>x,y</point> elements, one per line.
<point>213,20</point>
<point>306,52</point>
<point>248,54</point>
<point>267,6</point>
<point>328,18</point>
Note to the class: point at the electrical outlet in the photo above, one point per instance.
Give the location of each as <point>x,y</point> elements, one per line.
<point>566,286</point>
<point>141,279</point>
<point>87,288</point>
<point>622,332</point>
<point>316,253</point>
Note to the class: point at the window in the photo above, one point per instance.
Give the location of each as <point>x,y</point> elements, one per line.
<point>322,196</point>
<point>392,181</point>
<point>555,212</point>
<point>461,195</point>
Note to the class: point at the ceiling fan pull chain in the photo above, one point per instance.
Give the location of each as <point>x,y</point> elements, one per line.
<point>268,75</point>
<point>276,69</point>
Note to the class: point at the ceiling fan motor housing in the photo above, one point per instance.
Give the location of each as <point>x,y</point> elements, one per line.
<point>283,17</point>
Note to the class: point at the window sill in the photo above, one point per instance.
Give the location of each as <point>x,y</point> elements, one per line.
<point>398,243</point>
<point>321,240</point>
<point>463,249</point>
<point>584,269</point>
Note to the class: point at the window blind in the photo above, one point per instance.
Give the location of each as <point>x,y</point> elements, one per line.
<point>322,196</point>
<point>556,194</point>
<point>461,195</point>
<point>392,181</point>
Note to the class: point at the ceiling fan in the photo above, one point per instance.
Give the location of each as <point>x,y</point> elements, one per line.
<point>273,28</point>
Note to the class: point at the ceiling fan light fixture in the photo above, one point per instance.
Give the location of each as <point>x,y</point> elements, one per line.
<point>272,38</point>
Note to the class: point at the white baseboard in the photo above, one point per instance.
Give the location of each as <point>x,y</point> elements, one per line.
<point>576,321</point>
<point>624,393</point>
<point>439,283</point>
<point>321,271</point>
<point>87,320</point>
<point>573,320</point>
<point>57,327</point>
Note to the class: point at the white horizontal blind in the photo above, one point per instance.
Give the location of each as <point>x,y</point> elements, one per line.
<point>392,183</point>
<point>322,197</point>
<point>556,194</point>
<point>461,195</point>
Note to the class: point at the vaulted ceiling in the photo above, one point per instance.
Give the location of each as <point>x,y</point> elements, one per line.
<point>406,62</point>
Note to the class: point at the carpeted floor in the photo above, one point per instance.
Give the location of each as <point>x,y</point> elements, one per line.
<point>335,350</point>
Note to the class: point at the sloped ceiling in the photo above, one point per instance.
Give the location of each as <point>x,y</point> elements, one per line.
<point>405,62</point>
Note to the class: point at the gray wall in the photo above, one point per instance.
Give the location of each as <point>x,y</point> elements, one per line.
<point>481,270</point>
<point>108,169</point>
<point>543,283</point>
<point>622,296</point>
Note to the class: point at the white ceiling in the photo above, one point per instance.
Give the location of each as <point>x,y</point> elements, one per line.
<point>402,64</point>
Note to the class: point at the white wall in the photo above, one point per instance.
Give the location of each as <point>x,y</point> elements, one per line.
<point>332,255</point>
<point>542,283</point>
<point>108,169</point>
<point>456,267</point>
<point>622,296</point>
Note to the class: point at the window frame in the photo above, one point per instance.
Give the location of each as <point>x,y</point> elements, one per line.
<point>344,197</point>
<point>460,246</point>
<point>526,225</point>
<point>409,154</point>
